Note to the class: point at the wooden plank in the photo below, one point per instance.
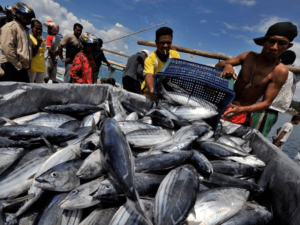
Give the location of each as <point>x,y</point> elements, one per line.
<point>117,64</point>
<point>207,54</point>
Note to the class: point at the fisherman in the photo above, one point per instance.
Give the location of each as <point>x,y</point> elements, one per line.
<point>36,72</point>
<point>157,59</point>
<point>99,58</point>
<point>285,131</point>
<point>261,74</point>
<point>133,73</point>
<point>16,45</point>
<point>72,45</point>
<point>283,100</point>
<point>53,40</point>
<point>8,16</point>
<point>106,80</point>
<point>83,66</point>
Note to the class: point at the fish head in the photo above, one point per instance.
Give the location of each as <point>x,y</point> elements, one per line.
<point>58,178</point>
<point>72,198</point>
<point>108,190</point>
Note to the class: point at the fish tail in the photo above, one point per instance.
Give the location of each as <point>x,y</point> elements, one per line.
<point>134,203</point>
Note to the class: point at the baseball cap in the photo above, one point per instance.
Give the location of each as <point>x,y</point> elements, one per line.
<point>146,51</point>
<point>285,29</point>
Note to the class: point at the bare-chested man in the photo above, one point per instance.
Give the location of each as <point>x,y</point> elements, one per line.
<point>261,73</point>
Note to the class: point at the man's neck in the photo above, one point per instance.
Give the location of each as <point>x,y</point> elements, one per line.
<point>266,61</point>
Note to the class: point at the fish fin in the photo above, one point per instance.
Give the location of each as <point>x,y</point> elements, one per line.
<point>9,121</point>
<point>51,148</point>
<point>94,127</point>
<point>31,177</point>
<point>21,199</point>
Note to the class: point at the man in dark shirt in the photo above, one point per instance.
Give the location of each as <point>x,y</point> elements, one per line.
<point>8,15</point>
<point>72,45</point>
<point>133,73</point>
<point>99,58</point>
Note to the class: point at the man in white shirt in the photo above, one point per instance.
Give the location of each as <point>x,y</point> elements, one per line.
<point>285,131</point>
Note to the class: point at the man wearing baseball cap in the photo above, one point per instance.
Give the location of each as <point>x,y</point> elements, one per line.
<point>133,73</point>
<point>261,74</point>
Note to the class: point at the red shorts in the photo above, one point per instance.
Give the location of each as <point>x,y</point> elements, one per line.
<point>238,119</point>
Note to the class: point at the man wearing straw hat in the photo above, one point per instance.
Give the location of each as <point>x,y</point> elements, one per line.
<point>261,74</point>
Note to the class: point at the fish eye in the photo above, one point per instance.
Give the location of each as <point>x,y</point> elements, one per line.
<point>106,187</point>
<point>74,192</point>
<point>53,174</point>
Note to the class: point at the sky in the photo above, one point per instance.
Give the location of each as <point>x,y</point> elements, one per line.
<point>219,26</point>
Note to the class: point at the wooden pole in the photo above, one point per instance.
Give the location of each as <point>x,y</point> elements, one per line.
<point>117,64</point>
<point>208,54</point>
<point>134,33</point>
<point>190,51</point>
<point>116,53</point>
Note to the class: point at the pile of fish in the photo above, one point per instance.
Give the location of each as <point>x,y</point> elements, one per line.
<point>116,163</point>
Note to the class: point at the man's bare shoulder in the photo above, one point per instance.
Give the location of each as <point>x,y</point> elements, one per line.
<point>280,73</point>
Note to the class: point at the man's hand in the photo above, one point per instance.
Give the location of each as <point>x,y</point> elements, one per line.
<point>39,40</point>
<point>152,94</point>
<point>277,143</point>
<point>55,61</point>
<point>228,72</point>
<point>65,60</point>
<point>233,111</point>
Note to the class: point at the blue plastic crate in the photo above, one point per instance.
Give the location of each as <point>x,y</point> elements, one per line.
<point>205,86</point>
<point>188,68</point>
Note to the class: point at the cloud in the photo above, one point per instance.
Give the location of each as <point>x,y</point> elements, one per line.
<point>200,44</point>
<point>243,2</point>
<point>203,21</point>
<point>229,26</point>
<point>96,15</point>
<point>215,34</point>
<point>264,24</point>
<point>202,10</point>
<point>67,19</point>
<point>247,40</point>
<point>223,31</point>
<point>296,49</point>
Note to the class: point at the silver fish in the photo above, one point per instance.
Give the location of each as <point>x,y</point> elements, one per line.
<point>22,120</point>
<point>129,126</point>
<point>80,197</point>
<point>147,138</point>
<point>89,120</point>
<point>194,113</point>
<point>61,177</point>
<point>71,217</point>
<point>215,206</point>
<point>126,215</point>
<point>50,120</point>
<point>73,109</point>
<point>119,161</point>
<point>57,135</point>
<point>132,116</point>
<point>91,166</point>
<point>179,188</point>
<point>100,216</point>
<point>90,144</point>
<point>53,214</point>
<point>8,157</point>
<point>248,160</point>
<point>191,130</point>
<point>250,214</point>
<point>19,180</point>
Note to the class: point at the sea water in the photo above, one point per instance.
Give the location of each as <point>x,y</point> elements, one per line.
<point>292,145</point>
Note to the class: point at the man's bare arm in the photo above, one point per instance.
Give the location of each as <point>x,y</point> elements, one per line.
<point>60,54</point>
<point>228,65</point>
<point>149,82</point>
<point>277,143</point>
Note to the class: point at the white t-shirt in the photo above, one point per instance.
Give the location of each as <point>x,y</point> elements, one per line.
<point>288,128</point>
